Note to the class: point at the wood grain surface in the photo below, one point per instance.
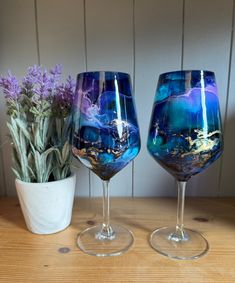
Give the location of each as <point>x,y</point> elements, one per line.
<point>25,257</point>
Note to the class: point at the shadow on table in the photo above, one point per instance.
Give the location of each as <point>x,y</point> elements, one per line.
<point>11,214</point>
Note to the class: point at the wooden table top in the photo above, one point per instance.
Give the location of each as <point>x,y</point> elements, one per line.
<point>26,257</point>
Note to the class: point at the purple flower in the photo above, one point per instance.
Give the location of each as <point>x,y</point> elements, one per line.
<point>41,84</point>
<point>56,71</point>
<point>63,98</point>
<point>70,88</point>
<point>10,86</point>
<point>32,77</point>
<point>44,86</point>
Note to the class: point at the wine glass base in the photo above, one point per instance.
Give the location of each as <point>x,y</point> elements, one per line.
<point>91,243</point>
<point>193,246</point>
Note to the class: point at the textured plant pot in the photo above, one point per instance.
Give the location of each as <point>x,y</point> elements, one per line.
<point>47,207</point>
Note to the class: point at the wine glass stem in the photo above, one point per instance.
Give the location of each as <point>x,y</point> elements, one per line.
<point>180,210</point>
<point>105,203</point>
<point>106,230</point>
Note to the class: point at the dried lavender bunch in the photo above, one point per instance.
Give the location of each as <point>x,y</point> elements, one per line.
<point>39,110</point>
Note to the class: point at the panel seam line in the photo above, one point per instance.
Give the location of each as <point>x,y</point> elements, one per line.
<point>37,32</point>
<point>182,37</point>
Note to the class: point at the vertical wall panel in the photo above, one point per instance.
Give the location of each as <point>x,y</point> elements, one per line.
<point>17,51</point>
<point>158,36</point>
<point>61,41</point>
<point>207,35</point>
<point>61,34</point>
<point>110,47</point>
<point>227,182</point>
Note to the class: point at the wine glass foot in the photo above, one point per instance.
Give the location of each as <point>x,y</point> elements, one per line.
<point>192,246</point>
<point>90,242</point>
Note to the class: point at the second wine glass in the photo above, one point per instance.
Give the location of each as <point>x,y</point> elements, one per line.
<point>185,137</point>
<point>106,138</point>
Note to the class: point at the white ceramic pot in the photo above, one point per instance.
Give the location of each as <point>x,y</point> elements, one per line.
<point>47,207</point>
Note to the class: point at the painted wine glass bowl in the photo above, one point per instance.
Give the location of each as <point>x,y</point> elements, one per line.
<point>105,139</point>
<point>185,137</point>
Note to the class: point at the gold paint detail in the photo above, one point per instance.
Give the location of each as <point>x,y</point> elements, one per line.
<point>202,143</point>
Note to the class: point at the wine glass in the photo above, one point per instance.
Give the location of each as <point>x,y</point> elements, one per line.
<point>105,139</point>
<point>185,137</point>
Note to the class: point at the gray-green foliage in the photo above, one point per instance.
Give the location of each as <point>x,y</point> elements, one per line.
<point>62,160</point>
<point>37,155</point>
<point>39,125</point>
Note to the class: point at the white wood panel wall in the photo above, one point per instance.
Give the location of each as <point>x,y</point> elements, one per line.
<point>207,38</point>
<point>227,187</point>
<point>18,50</point>
<point>158,46</point>
<point>143,38</point>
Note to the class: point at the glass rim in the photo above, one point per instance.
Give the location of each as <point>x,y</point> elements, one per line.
<point>105,72</point>
<point>188,71</point>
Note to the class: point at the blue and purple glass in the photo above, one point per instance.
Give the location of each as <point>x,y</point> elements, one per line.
<point>106,134</point>
<point>185,134</point>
